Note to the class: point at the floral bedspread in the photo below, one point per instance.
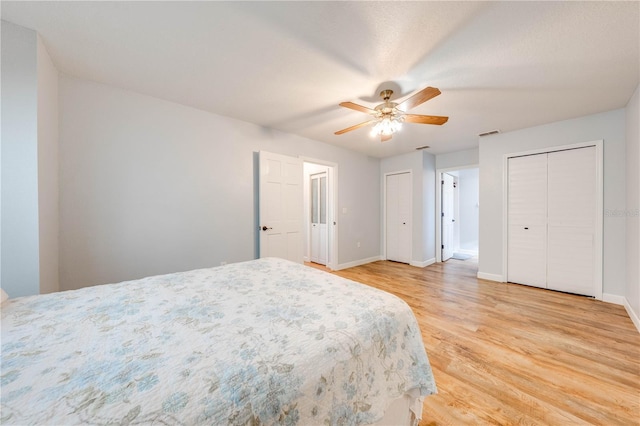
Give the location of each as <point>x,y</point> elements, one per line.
<point>260,342</point>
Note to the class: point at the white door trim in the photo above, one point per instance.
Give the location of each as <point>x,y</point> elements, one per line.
<point>439,173</point>
<point>384,211</point>
<point>332,209</point>
<point>598,231</point>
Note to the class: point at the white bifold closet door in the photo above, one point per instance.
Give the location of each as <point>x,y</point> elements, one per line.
<point>527,240</point>
<point>398,217</point>
<point>552,213</point>
<point>571,220</point>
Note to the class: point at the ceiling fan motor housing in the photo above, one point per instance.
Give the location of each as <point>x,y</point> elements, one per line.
<point>386,94</point>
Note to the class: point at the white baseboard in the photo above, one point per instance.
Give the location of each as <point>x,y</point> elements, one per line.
<point>613,298</point>
<point>621,300</point>
<point>424,263</point>
<point>358,262</point>
<point>632,315</point>
<point>490,277</point>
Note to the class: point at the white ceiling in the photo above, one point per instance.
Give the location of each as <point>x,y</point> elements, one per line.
<point>287,65</point>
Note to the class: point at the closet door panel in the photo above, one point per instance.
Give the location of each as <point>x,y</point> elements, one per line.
<point>393,217</point>
<point>570,263</point>
<point>398,217</point>
<point>404,218</point>
<point>527,204</point>
<point>528,190</point>
<point>571,220</point>
<point>527,255</point>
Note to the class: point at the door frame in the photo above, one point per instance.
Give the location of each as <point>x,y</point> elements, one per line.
<point>384,212</point>
<point>439,173</point>
<point>599,222</point>
<point>332,210</point>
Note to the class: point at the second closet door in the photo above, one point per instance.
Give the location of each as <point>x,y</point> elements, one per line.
<point>571,220</point>
<point>398,217</point>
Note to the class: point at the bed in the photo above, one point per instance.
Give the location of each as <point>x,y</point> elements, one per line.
<point>260,342</point>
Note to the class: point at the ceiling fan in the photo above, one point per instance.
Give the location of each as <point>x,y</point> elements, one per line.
<point>389,116</point>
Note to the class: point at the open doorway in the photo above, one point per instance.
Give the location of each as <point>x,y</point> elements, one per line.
<point>320,195</point>
<point>457,224</point>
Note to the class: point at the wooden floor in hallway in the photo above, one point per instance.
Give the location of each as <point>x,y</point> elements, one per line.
<point>511,354</point>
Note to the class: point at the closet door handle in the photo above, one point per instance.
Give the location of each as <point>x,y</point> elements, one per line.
<point>526,227</point>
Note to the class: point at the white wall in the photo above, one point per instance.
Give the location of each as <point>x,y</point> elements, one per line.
<point>47,170</point>
<point>429,207</point>
<point>608,126</point>
<point>458,159</point>
<point>149,187</point>
<point>632,289</point>
<point>468,182</point>
<point>20,263</point>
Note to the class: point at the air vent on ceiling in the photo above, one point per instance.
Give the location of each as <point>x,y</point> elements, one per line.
<point>422,147</point>
<point>490,132</point>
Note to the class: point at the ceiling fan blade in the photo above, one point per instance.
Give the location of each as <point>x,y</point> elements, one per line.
<point>425,119</point>
<point>357,107</point>
<point>384,138</point>
<point>357,126</point>
<point>422,96</point>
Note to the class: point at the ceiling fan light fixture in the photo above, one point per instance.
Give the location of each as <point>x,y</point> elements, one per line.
<point>386,126</point>
<point>388,117</point>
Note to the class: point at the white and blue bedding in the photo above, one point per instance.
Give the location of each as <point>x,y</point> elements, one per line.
<point>260,342</point>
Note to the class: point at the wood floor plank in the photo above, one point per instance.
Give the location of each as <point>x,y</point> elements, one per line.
<point>511,354</point>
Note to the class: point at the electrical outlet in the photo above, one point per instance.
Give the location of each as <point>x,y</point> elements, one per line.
<point>358,244</point>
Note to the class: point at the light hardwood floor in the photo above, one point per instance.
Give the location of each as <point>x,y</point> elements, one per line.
<point>510,354</point>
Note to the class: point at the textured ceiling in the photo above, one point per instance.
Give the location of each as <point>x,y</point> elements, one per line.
<point>287,65</point>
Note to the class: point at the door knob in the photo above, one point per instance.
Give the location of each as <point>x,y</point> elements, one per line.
<point>264,228</point>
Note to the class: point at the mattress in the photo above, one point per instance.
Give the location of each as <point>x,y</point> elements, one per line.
<point>260,342</point>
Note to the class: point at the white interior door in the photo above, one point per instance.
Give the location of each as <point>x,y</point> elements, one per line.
<point>318,234</point>
<point>571,220</point>
<point>456,214</point>
<point>448,209</point>
<point>281,206</point>
<point>398,222</point>
<point>527,228</point>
